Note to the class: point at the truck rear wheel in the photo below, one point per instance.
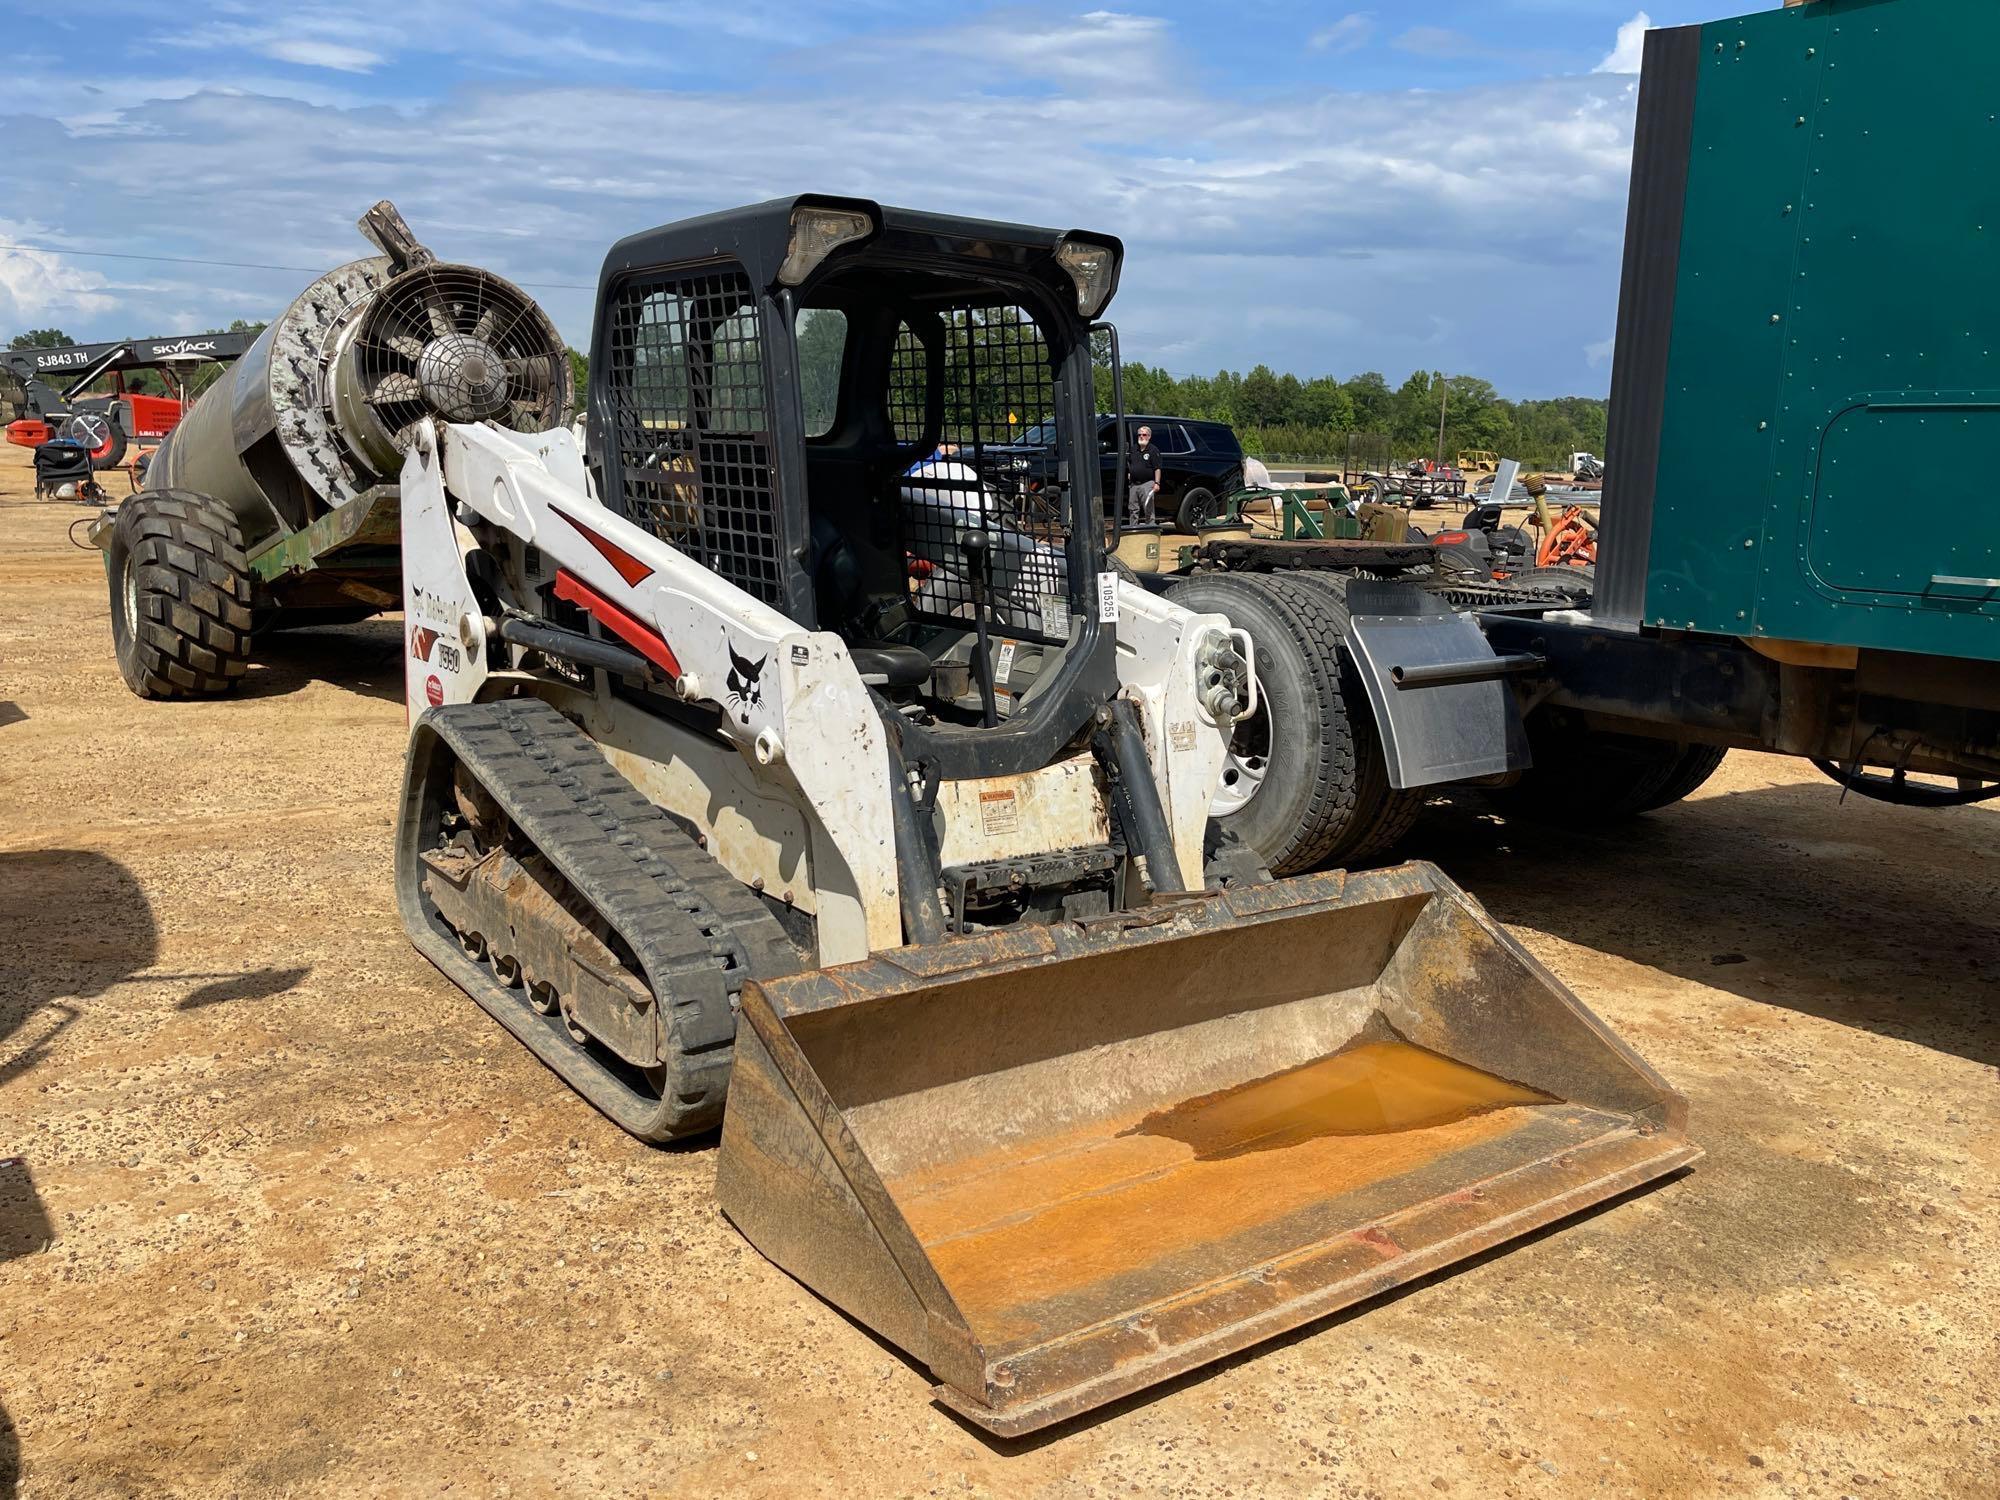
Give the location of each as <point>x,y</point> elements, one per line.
<point>1696,764</point>
<point>1305,783</point>
<point>1589,779</point>
<point>180,595</point>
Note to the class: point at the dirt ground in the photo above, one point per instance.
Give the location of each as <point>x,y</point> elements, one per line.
<point>286,1214</point>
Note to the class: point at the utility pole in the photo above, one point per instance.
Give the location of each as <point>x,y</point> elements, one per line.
<point>1444,401</point>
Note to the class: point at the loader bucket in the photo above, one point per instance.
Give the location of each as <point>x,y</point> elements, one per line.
<point>1059,1164</point>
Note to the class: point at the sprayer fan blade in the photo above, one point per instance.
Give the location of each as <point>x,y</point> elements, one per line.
<point>440,316</point>
<point>395,387</point>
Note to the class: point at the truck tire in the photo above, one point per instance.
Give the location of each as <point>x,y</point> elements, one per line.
<point>1581,581</point>
<point>1395,811</point>
<point>1305,785</point>
<point>180,595</point>
<point>1696,764</point>
<point>1198,507</point>
<point>1593,779</point>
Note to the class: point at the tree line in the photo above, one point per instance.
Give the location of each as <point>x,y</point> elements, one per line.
<point>1323,417</point>
<point>1277,416</point>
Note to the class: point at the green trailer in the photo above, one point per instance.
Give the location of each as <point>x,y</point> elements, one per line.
<point>1807,385</point>
<point>1800,544</point>
<point>1799,548</point>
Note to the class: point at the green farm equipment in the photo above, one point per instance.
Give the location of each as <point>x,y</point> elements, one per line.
<point>274,502</point>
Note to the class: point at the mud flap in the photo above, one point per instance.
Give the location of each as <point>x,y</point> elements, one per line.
<point>1442,702</point>
<point>1061,1164</point>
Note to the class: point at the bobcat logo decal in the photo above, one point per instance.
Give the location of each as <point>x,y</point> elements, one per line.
<point>745,682</point>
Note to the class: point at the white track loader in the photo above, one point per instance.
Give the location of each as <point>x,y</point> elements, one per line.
<point>791,750</point>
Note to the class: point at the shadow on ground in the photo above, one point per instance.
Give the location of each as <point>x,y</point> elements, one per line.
<point>366,658</point>
<point>24,1230</point>
<point>257,984</point>
<point>1871,916</point>
<point>75,923</point>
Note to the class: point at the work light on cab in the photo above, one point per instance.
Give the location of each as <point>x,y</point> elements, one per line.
<point>1094,269</point>
<point>816,234</point>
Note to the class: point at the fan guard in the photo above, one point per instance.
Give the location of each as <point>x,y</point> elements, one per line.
<point>452,342</point>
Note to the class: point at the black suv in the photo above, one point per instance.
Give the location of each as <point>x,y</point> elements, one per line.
<point>1200,462</point>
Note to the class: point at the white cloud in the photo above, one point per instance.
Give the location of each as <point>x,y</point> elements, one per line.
<point>312,54</point>
<point>492,35</point>
<point>1351,207</point>
<point>1630,48</point>
<point>39,285</point>
<point>1438,41</point>
<point>1598,354</point>
<point>1349,33</point>
<point>1016,51</point>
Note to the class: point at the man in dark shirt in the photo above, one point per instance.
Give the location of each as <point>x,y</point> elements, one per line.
<point>1142,479</point>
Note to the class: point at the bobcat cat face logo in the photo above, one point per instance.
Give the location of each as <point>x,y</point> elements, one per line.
<point>744,682</point>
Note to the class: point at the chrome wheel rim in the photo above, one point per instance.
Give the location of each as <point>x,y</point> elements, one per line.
<point>1244,767</point>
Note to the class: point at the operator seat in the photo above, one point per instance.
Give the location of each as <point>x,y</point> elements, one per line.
<point>841,595</point>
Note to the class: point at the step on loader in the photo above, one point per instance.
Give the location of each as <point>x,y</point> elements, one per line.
<point>784,752</point>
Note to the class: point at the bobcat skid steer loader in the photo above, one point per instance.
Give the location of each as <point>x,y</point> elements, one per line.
<point>789,751</point>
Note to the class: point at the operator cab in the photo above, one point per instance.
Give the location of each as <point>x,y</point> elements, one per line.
<point>822,411</point>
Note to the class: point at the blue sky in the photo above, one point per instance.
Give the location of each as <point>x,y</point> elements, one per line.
<point>1326,189</point>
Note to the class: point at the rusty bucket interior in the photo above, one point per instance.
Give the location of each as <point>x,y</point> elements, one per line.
<point>1061,1164</point>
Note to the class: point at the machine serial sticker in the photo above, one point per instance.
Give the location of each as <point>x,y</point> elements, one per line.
<point>1055,616</point>
<point>998,813</point>
<point>1181,735</point>
<point>1003,664</point>
<point>1107,598</point>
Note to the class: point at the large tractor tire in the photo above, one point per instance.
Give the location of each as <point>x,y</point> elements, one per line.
<point>180,595</point>
<point>1305,784</point>
<point>1590,779</point>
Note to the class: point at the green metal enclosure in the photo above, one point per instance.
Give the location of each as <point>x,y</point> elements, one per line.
<point>1806,396</point>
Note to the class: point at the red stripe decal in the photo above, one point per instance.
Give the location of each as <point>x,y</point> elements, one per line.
<point>627,627</point>
<point>629,567</point>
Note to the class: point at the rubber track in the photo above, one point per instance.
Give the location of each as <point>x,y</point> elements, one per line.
<point>1392,813</point>
<point>192,639</point>
<point>697,932</point>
